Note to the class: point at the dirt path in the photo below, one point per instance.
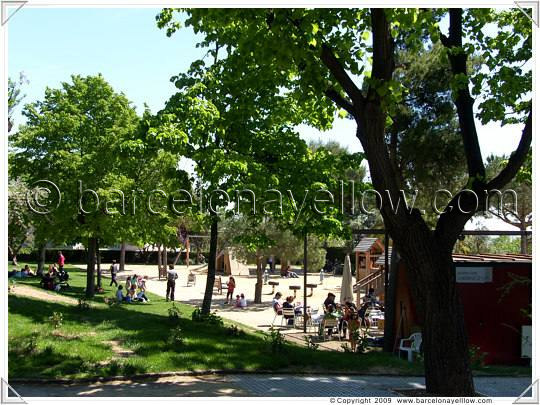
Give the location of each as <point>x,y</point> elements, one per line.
<point>26,291</point>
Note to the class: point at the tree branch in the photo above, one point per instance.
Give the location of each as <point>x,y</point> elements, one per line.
<point>383,49</point>
<point>463,101</point>
<point>341,76</point>
<point>516,159</point>
<point>333,95</point>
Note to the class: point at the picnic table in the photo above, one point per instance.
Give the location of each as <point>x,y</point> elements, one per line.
<point>311,287</point>
<point>294,288</point>
<point>273,284</point>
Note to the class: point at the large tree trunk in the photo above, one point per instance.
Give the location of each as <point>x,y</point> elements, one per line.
<point>159,256</point>
<point>122,256</point>
<point>42,257</point>
<point>211,278</point>
<point>259,283</point>
<point>524,242</point>
<point>432,277</point>
<point>283,266</point>
<point>98,260</point>
<point>90,266</point>
<point>165,258</point>
<point>524,245</point>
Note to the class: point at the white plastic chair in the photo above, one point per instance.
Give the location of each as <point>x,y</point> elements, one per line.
<point>411,345</point>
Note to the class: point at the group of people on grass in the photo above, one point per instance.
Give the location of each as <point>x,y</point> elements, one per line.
<point>240,301</point>
<point>135,290</point>
<point>54,279</point>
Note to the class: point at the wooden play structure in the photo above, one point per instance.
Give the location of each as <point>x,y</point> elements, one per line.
<point>228,265</point>
<point>369,273</point>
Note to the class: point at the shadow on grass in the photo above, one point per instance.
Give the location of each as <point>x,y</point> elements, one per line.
<point>145,329</point>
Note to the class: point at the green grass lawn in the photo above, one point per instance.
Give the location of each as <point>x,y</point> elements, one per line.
<point>81,346</point>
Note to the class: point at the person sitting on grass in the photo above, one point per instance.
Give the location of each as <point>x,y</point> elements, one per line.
<point>141,297</point>
<point>28,272</point>
<point>120,296</point>
<point>289,273</point>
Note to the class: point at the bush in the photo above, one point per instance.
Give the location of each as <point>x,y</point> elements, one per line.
<point>176,338</point>
<point>212,318</point>
<point>29,345</point>
<point>82,304</point>
<point>174,313</point>
<point>310,343</point>
<point>477,357</point>
<point>235,331</point>
<point>56,319</point>
<point>276,340</point>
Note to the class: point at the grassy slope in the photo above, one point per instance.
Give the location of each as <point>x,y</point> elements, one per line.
<point>80,348</point>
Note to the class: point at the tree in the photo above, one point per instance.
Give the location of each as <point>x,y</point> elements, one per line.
<point>14,97</point>
<point>20,229</point>
<point>72,138</point>
<point>316,57</point>
<point>518,211</point>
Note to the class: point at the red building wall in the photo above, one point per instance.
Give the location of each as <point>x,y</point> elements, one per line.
<point>493,319</point>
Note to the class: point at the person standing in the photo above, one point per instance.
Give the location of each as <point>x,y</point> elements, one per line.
<point>172,276</point>
<point>114,271</point>
<point>61,260</point>
<point>231,285</point>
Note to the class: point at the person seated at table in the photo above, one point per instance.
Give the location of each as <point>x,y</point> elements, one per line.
<point>289,304</point>
<point>364,321</point>
<point>371,298</point>
<point>276,304</point>
<point>329,302</point>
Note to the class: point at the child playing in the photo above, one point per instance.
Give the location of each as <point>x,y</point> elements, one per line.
<point>243,302</point>
<point>231,285</point>
<point>237,303</point>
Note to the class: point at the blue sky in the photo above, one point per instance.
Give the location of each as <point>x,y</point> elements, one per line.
<point>126,47</point>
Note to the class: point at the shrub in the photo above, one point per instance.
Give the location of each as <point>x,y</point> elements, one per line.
<point>82,304</point>
<point>176,338</point>
<point>56,319</point>
<point>310,343</point>
<point>276,340</point>
<point>174,313</point>
<point>212,318</point>
<point>235,331</point>
<point>477,357</point>
<point>29,345</point>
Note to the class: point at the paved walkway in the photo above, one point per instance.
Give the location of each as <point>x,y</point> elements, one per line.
<point>265,385</point>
